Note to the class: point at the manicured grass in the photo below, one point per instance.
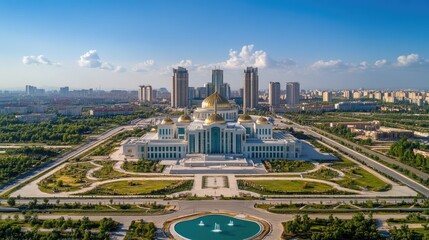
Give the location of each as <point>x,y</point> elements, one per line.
<point>144,166</point>
<point>421,231</point>
<point>285,186</point>
<point>288,165</point>
<point>344,163</point>
<point>142,187</point>
<point>70,178</point>
<point>107,172</point>
<point>359,178</point>
<point>323,173</point>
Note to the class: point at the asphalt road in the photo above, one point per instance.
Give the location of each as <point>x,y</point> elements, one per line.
<point>286,200</point>
<point>67,156</point>
<point>382,157</point>
<point>230,206</point>
<point>368,161</point>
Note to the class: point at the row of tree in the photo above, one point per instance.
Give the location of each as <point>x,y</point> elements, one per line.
<point>143,165</point>
<point>333,228</point>
<point>80,229</point>
<point>358,227</point>
<point>404,150</point>
<point>21,160</point>
<point>141,230</point>
<point>64,130</point>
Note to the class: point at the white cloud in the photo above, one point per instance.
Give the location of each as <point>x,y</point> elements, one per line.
<point>91,60</point>
<point>120,69</point>
<point>38,60</point>
<point>380,62</point>
<point>363,65</point>
<point>186,63</point>
<point>246,57</point>
<point>407,60</point>
<point>107,66</point>
<point>144,66</point>
<point>329,64</point>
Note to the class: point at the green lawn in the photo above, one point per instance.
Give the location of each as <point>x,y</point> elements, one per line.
<point>142,187</point>
<point>143,166</point>
<point>284,186</point>
<point>288,165</point>
<point>323,173</point>
<point>359,178</point>
<point>70,178</point>
<point>107,172</point>
<point>421,230</point>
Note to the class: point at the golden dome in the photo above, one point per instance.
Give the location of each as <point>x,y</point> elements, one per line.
<point>214,118</point>
<point>262,120</point>
<point>245,118</point>
<point>185,118</point>
<point>167,121</point>
<point>210,101</point>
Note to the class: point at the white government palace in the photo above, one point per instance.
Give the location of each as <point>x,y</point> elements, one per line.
<point>214,135</point>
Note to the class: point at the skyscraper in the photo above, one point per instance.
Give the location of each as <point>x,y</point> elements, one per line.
<point>145,93</point>
<point>327,96</point>
<point>179,95</point>
<point>274,94</point>
<point>292,93</point>
<point>217,80</point>
<point>251,88</point>
<point>225,90</point>
<point>209,88</point>
<point>64,91</point>
<point>347,94</point>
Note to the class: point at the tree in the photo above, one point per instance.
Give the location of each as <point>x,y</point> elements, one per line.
<point>11,201</point>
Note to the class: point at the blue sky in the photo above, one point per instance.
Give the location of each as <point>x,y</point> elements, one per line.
<point>122,44</point>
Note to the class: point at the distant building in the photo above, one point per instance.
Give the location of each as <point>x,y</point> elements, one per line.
<point>292,93</point>
<point>251,88</point>
<point>357,95</point>
<point>274,94</point>
<point>145,93</point>
<point>327,96</point>
<point>318,108</point>
<point>32,90</point>
<point>64,91</point>
<point>209,88</point>
<point>225,90</point>
<point>15,110</point>
<point>356,106</point>
<point>217,80</point>
<point>36,118</point>
<point>347,94</point>
<point>70,111</point>
<point>110,111</point>
<point>378,95</point>
<point>179,95</point>
<point>385,133</point>
<point>200,93</point>
<point>191,95</point>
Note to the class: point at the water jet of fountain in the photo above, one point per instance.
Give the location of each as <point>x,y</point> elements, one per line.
<point>216,228</point>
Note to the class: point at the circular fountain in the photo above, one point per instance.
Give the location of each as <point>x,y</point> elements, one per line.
<point>215,227</point>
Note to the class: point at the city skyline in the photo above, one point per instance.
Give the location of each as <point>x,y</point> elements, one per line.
<point>113,45</point>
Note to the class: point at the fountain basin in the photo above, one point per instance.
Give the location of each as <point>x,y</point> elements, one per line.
<point>241,228</point>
